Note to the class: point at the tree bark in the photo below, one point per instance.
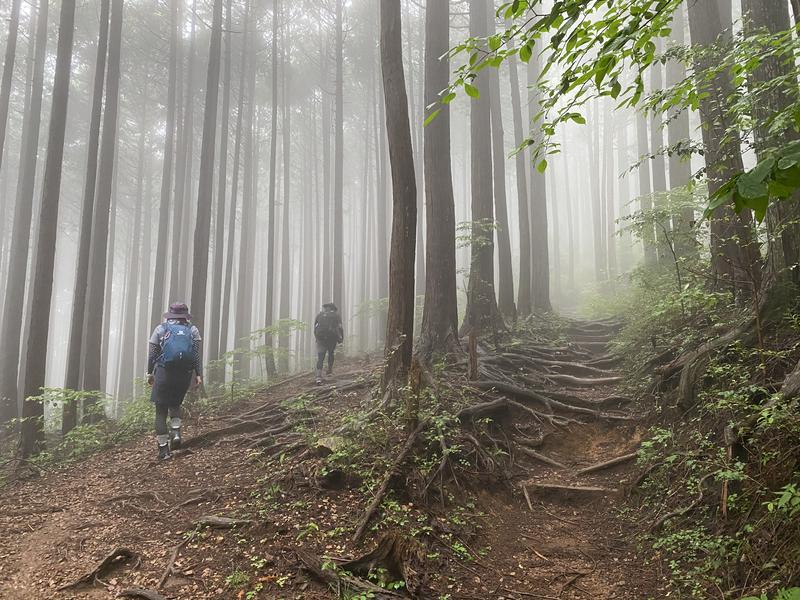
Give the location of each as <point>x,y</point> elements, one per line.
<point>273,152</point>
<point>214,342</point>
<point>338,168</point>
<point>284,309</point>
<point>540,260</point>
<point>482,313</point>
<point>8,71</point>
<point>772,16</point>
<point>74,352</point>
<point>14,302</point>
<point>94,325</point>
<point>645,190</point>
<point>202,231</point>
<point>42,282</point>
<point>400,322</point>
<point>524,296</point>
<point>439,331</point>
<point>505,293</point>
<point>160,270</point>
<point>659,165</point>
<point>735,259</point>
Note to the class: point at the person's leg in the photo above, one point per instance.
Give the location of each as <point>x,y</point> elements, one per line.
<point>331,350</point>
<point>162,434</point>
<point>320,360</point>
<point>175,426</point>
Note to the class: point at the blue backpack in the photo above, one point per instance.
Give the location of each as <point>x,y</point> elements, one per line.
<point>177,346</point>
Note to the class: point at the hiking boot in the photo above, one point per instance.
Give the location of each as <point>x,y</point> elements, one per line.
<point>318,380</point>
<point>175,438</point>
<point>329,371</point>
<point>163,452</point>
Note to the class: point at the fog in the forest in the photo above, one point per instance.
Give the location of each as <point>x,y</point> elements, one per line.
<point>273,243</point>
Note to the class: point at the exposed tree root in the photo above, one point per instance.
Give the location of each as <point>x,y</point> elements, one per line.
<point>141,593</point>
<point>401,556</point>
<point>686,509</point>
<point>484,408</point>
<point>542,458</point>
<point>214,522</point>
<point>569,380</point>
<point>393,470</point>
<point>341,582</point>
<point>574,368</point>
<point>236,428</point>
<point>112,560</point>
<point>175,552</point>
<point>608,464</point>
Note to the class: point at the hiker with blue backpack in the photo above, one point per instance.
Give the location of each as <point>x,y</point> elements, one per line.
<point>174,361</point>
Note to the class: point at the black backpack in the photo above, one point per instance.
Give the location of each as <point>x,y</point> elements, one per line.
<point>327,326</point>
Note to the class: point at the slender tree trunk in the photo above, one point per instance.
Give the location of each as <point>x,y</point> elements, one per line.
<point>202,231</point>
<point>680,168</point>
<point>645,191</point>
<point>505,293</point>
<point>226,300</point>
<point>381,202</point>
<point>215,342</point>
<point>95,305</point>
<point>440,314</point>
<point>659,166</point>
<point>570,230</point>
<point>8,71</point>
<point>524,297</point>
<point>540,263</point>
<point>609,192</point>
<point>338,167</point>
<point>183,167</point>
<point>21,233</point>
<point>482,312</point>
<point>108,294</point>
<point>159,276</point>
<point>145,273</point>
<point>400,323</point>
<point>327,262</point>
<point>273,175</point>
<point>44,267</point>
<point>284,310</point>
<point>74,352</point>
<point>735,259</point>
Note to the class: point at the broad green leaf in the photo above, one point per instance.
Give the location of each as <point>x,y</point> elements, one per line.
<point>472,91</point>
<point>749,187</point>
<point>525,53</point>
<point>542,166</point>
<point>432,116</point>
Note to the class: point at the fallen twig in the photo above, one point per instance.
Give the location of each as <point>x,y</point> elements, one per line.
<point>608,463</point>
<point>172,560</point>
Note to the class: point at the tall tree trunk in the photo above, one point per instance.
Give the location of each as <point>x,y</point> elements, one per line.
<point>772,16</point>
<point>482,312</point>
<point>327,259</point>
<point>382,271</point>
<point>609,192</point>
<point>202,231</point>
<point>400,323</point>
<point>21,233</point>
<point>145,273</point>
<point>570,230</point>
<point>44,267</point>
<point>183,167</point>
<point>659,165</point>
<point>74,352</point>
<point>94,325</point>
<point>439,331</point>
<point>645,190</point>
<point>680,168</point>
<point>284,309</point>
<point>226,299</point>
<point>338,168</point>
<point>273,177</point>
<point>215,342</point>
<point>735,259</point>
<point>505,293</point>
<point>524,297</point>
<point>8,71</point>
<point>540,262</point>
<point>160,270</point>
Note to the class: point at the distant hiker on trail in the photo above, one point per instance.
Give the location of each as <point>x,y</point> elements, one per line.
<point>174,360</point>
<point>328,332</point>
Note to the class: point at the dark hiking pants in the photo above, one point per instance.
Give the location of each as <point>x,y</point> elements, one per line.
<point>324,348</point>
<point>169,390</point>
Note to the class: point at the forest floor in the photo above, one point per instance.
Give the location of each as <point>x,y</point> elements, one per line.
<point>524,538</point>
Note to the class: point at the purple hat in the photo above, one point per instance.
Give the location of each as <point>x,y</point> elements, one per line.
<point>178,310</point>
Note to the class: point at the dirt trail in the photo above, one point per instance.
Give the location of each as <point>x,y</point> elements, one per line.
<point>567,543</point>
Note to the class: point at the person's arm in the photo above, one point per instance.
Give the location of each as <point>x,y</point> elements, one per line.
<point>153,352</point>
<point>197,349</point>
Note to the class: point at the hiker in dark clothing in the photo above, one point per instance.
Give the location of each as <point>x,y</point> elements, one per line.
<point>328,332</point>
<point>174,361</point>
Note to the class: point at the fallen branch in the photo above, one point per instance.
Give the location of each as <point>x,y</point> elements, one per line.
<point>686,509</point>
<point>111,560</point>
<point>214,522</point>
<point>393,470</point>
<point>608,464</point>
<point>172,560</point>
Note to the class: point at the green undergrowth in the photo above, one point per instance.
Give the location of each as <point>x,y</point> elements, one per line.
<point>719,496</point>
